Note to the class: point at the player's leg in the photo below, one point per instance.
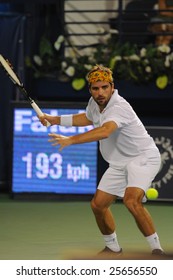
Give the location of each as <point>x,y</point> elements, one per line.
<point>140,173</point>
<point>133,201</point>
<point>100,205</point>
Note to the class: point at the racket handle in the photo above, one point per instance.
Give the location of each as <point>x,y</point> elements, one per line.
<point>38,111</point>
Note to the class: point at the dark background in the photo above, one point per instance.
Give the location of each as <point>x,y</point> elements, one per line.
<point>21,25</point>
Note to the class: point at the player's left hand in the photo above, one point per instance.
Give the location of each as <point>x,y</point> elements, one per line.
<point>61,140</point>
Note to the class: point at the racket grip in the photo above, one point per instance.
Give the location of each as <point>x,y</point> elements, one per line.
<point>38,111</point>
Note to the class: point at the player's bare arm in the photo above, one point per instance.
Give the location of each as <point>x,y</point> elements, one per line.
<point>81,120</point>
<point>95,134</point>
<point>77,120</point>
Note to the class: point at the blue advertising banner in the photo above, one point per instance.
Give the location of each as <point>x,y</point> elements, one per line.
<point>39,167</point>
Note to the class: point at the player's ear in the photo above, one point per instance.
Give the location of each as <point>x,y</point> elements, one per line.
<point>89,88</point>
<point>112,85</point>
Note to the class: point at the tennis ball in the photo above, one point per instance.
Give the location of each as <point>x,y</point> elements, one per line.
<point>152,193</point>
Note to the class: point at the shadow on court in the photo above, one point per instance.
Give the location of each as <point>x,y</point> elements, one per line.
<point>125,256</point>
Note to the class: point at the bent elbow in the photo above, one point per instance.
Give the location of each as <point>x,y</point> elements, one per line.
<point>108,129</point>
<point>106,134</point>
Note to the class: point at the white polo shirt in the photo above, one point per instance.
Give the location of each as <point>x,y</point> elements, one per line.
<point>129,140</point>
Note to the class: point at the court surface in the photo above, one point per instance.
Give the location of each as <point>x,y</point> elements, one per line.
<point>55,230</point>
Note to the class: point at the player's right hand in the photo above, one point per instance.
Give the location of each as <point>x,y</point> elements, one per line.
<point>51,119</point>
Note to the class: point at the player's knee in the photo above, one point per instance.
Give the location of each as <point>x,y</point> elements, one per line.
<point>94,206</point>
<point>130,203</point>
<point>133,199</point>
<point>97,209</point>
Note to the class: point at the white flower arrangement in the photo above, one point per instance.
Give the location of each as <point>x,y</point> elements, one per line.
<point>150,63</point>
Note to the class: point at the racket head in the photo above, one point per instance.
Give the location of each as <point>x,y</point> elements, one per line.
<point>9,71</point>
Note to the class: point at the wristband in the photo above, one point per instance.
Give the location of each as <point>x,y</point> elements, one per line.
<point>66,120</point>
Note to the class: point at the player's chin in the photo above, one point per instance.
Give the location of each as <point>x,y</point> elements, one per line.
<point>101,101</point>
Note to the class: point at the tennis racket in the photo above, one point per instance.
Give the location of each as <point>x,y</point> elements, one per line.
<point>11,74</point>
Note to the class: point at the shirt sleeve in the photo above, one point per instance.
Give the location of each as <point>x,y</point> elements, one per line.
<point>88,111</point>
<point>118,115</point>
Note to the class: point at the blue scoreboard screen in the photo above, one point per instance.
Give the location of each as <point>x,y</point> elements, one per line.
<point>39,167</point>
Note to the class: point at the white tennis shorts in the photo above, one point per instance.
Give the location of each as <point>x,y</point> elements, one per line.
<point>138,172</point>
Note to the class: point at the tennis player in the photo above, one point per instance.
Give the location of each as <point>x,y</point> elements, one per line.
<point>134,160</point>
